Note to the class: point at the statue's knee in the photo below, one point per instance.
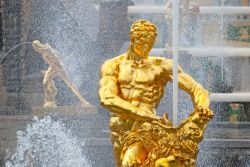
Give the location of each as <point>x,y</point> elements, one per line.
<point>131,163</point>
<point>135,155</point>
<point>170,161</point>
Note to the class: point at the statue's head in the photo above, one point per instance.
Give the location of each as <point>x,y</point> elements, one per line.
<point>40,48</point>
<point>142,34</point>
<point>45,50</point>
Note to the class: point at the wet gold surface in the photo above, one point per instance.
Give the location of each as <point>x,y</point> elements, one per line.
<point>131,88</point>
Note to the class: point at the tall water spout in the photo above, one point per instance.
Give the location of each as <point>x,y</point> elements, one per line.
<point>175,59</point>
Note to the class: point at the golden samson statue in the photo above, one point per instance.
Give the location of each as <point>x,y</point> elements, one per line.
<point>131,88</point>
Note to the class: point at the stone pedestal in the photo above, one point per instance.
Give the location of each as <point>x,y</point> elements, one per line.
<point>66,111</point>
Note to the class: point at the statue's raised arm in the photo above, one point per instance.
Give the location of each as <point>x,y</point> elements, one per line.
<point>49,54</point>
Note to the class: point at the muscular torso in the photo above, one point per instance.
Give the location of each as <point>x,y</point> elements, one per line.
<point>142,83</point>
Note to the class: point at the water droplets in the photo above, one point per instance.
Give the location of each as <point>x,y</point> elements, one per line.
<point>47,143</point>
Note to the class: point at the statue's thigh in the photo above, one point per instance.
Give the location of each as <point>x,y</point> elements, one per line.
<point>48,77</point>
<point>135,155</point>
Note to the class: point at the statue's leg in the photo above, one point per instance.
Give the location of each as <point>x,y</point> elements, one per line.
<point>114,126</point>
<point>118,127</point>
<point>49,87</point>
<point>116,150</point>
<point>64,77</point>
<point>135,155</point>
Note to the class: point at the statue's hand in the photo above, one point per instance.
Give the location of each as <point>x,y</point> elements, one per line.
<point>202,113</point>
<point>166,121</point>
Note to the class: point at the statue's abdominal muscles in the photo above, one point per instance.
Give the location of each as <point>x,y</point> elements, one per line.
<point>141,84</point>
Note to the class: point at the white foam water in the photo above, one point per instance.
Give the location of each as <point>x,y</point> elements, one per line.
<point>47,143</point>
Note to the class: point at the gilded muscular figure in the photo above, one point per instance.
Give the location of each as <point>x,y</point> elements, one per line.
<point>131,88</point>
<point>55,68</point>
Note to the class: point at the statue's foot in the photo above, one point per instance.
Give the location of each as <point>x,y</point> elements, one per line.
<point>49,105</point>
<point>86,105</point>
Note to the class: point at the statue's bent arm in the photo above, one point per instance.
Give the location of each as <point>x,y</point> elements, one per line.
<point>109,96</point>
<point>200,96</point>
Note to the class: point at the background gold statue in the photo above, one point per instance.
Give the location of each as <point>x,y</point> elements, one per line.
<point>55,68</point>
<point>131,88</point>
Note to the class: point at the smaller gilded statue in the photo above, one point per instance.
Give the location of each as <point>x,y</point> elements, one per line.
<point>55,68</point>
<point>131,88</point>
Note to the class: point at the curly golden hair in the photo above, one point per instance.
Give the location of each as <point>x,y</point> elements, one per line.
<point>143,29</point>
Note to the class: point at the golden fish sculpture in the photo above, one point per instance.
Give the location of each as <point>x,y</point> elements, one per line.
<point>131,88</point>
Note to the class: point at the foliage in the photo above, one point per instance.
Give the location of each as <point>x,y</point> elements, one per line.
<point>233,32</point>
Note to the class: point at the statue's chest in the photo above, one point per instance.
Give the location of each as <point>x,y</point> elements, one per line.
<point>129,73</point>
